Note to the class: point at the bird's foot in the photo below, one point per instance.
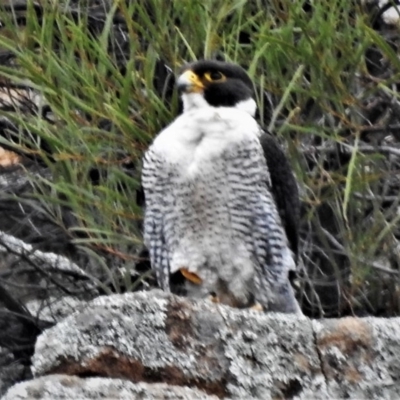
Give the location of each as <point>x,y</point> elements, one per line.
<point>257,307</point>
<point>214,298</point>
<point>191,276</point>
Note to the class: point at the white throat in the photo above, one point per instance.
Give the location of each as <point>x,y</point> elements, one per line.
<point>249,106</point>
<point>192,101</point>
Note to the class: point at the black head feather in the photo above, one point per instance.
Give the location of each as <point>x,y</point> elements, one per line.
<point>234,88</point>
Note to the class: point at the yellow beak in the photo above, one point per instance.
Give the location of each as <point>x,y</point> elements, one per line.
<point>189,82</point>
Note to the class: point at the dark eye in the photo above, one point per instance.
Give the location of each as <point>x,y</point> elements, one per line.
<point>214,76</point>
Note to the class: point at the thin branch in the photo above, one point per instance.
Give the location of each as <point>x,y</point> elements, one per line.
<point>54,261</point>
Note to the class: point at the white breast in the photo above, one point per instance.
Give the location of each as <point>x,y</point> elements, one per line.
<point>199,135</point>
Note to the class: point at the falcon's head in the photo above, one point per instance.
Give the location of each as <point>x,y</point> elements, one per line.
<point>216,84</point>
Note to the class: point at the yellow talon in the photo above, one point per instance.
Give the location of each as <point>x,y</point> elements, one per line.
<point>257,307</point>
<point>213,298</point>
<point>191,277</point>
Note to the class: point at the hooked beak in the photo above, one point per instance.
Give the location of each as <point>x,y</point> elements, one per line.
<point>189,82</point>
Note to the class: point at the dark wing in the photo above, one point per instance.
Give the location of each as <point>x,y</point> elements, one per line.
<point>284,189</point>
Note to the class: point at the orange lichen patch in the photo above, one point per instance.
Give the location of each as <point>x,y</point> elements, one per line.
<point>352,375</point>
<point>302,362</point>
<point>8,158</point>
<point>346,348</point>
<point>347,335</point>
<point>190,276</point>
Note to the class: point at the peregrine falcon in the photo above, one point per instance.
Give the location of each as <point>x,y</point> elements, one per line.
<point>221,203</point>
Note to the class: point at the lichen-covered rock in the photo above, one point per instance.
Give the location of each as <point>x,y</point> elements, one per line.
<point>155,337</point>
<point>360,357</point>
<point>54,309</point>
<point>71,387</point>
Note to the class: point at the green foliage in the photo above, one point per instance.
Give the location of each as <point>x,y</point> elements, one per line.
<point>98,80</point>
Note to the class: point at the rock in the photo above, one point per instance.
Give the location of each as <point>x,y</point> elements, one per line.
<point>71,387</point>
<point>157,338</point>
<point>50,261</point>
<point>55,308</point>
<point>360,357</point>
